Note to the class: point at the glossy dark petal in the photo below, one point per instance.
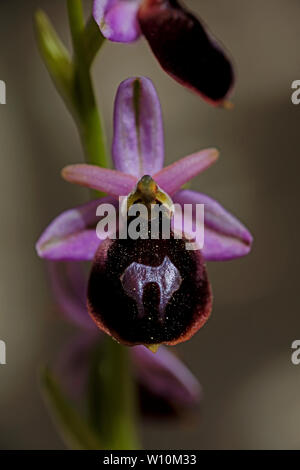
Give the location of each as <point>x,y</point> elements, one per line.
<point>149,291</point>
<point>185,49</point>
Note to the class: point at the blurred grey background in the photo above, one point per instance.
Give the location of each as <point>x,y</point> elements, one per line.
<point>242,355</point>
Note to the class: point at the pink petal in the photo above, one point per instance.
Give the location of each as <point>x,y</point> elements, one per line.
<point>72,235</point>
<point>220,247</point>
<point>117,19</point>
<point>138,145</point>
<point>172,177</point>
<point>108,181</point>
<point>225,236</point>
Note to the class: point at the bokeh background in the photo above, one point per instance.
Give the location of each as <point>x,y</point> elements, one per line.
<point>242,356</point>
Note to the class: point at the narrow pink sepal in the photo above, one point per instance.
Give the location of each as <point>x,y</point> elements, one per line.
<point>112,182</point>
<point>172,177</point>
<point>138,143</point>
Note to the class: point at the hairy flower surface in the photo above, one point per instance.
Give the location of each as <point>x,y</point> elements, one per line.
<point>180,42</point>
<point>144,291</point>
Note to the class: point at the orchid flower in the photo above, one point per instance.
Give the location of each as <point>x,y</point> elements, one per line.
<point>166,386</point>
<point>180,42</point>
<point>171,309</point>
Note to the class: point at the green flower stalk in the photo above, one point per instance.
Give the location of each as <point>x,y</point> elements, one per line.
<point>72,78</point>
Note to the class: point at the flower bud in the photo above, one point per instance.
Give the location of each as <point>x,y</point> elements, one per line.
<point>186,50</point>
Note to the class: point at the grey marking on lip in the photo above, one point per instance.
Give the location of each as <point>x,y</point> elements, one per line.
<point>166,276</point>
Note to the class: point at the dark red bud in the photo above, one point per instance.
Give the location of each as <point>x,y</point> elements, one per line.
<point>185,50</point>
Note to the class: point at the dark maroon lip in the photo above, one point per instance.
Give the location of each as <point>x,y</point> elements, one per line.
<point>149,291</point>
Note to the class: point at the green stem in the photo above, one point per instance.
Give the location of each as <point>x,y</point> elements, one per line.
<point>114,415</point>
<point>125,425</point>
<point>94,40</point>
<point>89,120</point>
<point>116,403</point>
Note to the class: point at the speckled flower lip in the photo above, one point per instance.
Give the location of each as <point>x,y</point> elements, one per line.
<point>149,291</point>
